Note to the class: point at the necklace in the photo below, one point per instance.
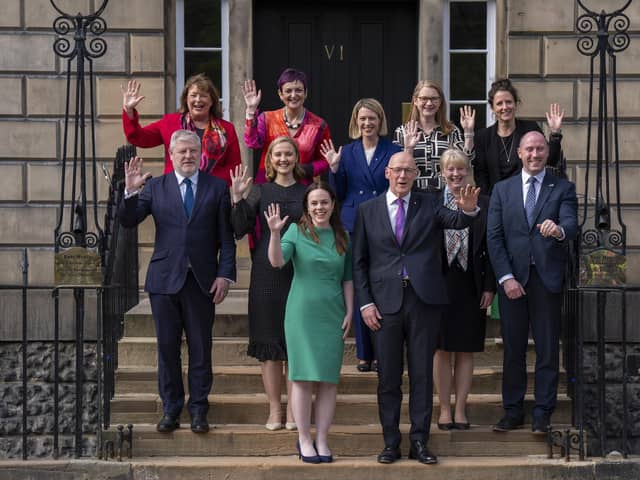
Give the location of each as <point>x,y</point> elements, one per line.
<point>504,147</point>
<point>292,125</point>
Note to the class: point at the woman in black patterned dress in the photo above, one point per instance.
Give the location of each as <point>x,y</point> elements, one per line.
<point>269,286</point>
<point>428,133</point>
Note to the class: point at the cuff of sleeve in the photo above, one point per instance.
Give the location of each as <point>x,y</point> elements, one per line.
<point>562,234</point>
<point>472,213</point>
<point>366,306</point>
<point>504,278</point>
<point>128,195</point>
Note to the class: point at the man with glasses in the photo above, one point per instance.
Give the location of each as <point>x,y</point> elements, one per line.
<point>398,276</point>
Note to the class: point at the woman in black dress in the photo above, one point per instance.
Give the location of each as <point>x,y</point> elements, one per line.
<point>471,286</point>
<point>269,286</point>
<point>497,146</point>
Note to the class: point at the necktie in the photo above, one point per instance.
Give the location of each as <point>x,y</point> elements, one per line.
<point>399,219</point>
<point>530,201</point>
<point>188,197</point>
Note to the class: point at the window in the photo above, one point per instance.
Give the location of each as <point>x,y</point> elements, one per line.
<point>202,35</point>
<point>469,56</point>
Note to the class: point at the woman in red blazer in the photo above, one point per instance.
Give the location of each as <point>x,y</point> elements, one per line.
<point>199,112</point>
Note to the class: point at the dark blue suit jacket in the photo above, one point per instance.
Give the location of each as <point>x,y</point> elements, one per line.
<point>512,243</point>
<point>205,240</point>
<point>378,258</point>
<point>356,182</point>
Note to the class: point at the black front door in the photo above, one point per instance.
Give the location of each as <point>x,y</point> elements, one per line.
<point>349,49</point>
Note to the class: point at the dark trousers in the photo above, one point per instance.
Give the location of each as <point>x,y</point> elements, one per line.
<point>191,311</point>
<point>417,325</point>
<point>539,308</point>
<point>364,347</point>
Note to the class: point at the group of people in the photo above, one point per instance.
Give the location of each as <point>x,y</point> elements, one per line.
<point>398,242</point>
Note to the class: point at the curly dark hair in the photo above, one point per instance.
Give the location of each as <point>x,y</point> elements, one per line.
<point>505,85</point>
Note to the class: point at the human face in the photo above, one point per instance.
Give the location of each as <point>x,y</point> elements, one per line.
<point>283,159</point>
<point>428,102</point>
<point>320,207</point>
<point>199,103</point>
<point>368,123</point>
<point>292,95</point>
<point>401,172</point>
<point>185,157</point>
<point>504,106</point>
<point>455,176</point>
<point>533,152</point>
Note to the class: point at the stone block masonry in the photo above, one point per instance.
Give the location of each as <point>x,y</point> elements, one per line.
<point>40,393</point>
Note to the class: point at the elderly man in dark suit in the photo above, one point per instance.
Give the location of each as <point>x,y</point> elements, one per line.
<point>532,216</point>
<point>192,265</point>
<point>399,280</point>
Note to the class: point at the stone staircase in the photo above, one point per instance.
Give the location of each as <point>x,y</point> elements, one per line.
<point>238,410</point>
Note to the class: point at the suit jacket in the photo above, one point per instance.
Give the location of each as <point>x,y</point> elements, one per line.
<point>204,241</point>
<point>356,182</point>
<point>488,147</point>
<point>483,276</point>
<point>512,244</point>
<point>378,258</point>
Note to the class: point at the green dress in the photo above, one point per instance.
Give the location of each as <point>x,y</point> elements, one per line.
<point>315,306</point>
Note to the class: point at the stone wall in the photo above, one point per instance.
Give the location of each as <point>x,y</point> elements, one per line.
<point>543,61</point>
<point>40,405</point>
<point>32,95</point>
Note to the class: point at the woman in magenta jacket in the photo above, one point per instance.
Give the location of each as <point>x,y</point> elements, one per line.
<point>199,112</point>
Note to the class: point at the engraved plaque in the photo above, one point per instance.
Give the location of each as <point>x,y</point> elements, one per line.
<point>603,268</point>
<point>79,267</point>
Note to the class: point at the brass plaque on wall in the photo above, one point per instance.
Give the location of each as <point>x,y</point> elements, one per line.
<point>78,267</point>
<point>603,268</point>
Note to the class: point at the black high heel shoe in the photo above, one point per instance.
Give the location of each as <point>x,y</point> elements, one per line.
<point>364,367</point>
<point>312,459</point>
<point>323,458</point>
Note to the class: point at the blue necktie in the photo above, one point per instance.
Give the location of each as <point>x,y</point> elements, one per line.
<point>530,201</point>
<point>188,197</point>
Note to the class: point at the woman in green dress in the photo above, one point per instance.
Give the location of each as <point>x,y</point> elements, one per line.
<point>318,312</point>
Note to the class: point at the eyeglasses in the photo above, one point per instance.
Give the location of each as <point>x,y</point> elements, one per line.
<point>429,99</point>
<point>400,170</point>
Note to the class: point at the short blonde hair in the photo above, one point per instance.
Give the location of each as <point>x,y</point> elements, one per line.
<point>456,158</point>
<point>373,105</point>
<point>298,173</point>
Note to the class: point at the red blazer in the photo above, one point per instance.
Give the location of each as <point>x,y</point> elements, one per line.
<point>159,133</point>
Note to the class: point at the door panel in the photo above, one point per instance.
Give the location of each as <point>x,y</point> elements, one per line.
<point>348,49</point>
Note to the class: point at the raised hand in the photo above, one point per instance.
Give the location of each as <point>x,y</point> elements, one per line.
<point>131,96</point>
<point>554,117</point>
<point>467,118</point>
<point>411,135</point>
<point>468,200</point>
<point>134,179</point>
<point>251,95</point>
<point>332,157</point>
<point>272,215</point>
<point>240,183</point>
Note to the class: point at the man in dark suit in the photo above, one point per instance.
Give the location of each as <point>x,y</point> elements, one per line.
<point>192,265</point>
<point>399,281</point>
<point>532,216</point>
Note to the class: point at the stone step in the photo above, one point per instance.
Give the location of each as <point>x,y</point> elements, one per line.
<point>346,441</point>
<point>351,409</point>
<point>141,351</point>
<point>521,467</point>
<point>231,319</point>
<point>248,379</point>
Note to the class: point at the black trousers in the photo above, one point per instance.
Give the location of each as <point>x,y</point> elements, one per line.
<point>191,311</point>
<point>416,325</point>
<point>541,309</point>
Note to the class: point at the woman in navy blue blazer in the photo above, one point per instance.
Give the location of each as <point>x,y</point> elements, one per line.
<point>357,174</point>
